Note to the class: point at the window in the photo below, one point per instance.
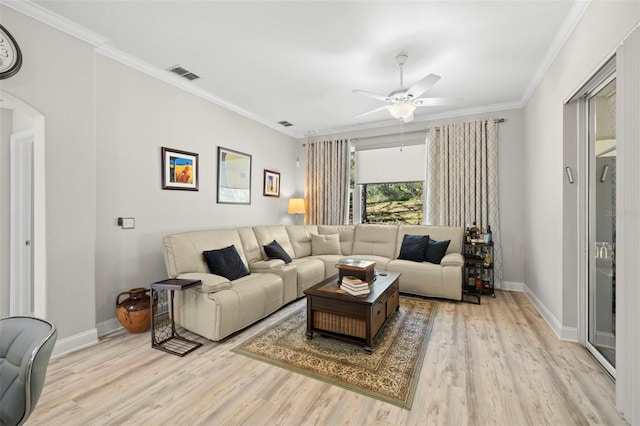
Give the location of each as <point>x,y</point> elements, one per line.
<point>393,203</point>
<point>388,185</point>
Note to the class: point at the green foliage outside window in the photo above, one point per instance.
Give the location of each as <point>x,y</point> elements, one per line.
<point>393,203</point>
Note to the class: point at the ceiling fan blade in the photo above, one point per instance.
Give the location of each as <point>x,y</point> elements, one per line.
<point>382,108</point>
<point>422,86</point>
<point>434,101</point>
<point>372,95</point>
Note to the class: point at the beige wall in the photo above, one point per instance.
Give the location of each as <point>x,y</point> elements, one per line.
<point>136,116</point>
<point>6,129</point>
<point>105,124</point>
<point>63,91</point>
<point>594,39</point>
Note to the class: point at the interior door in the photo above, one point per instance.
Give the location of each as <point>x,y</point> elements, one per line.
<point>601,309</point>
<point>21,225</point>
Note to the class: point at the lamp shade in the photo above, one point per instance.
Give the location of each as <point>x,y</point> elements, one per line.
<point>296,206</point>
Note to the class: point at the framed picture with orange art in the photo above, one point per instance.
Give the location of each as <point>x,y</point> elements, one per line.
<point>179,170</point>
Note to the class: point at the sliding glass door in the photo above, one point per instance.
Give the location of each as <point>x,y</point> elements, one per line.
<point>601,300</point>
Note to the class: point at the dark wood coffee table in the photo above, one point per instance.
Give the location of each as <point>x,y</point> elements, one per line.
<point>352,318</point>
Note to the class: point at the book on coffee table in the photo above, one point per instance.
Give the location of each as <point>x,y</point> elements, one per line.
<point>354,292</point>
<point>350,279</point>
<point>355,287</point>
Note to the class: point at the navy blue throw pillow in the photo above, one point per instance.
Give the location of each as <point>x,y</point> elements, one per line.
<point>413,247</point>
<point>275,251</point>
<point>225,262</point>
<point>436,250</point>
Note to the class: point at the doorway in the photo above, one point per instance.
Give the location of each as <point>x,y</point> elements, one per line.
<point>21,224</point>
<point>35,121</point>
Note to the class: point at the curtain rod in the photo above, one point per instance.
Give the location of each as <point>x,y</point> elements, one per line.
<point>388,134</point>
<point>497,120</point>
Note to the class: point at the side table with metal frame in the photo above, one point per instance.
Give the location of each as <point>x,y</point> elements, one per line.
<point>163,327</point>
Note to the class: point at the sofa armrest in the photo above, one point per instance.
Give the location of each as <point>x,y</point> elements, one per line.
<point>265,265</point>
<point>210,283</point>
<point>288,273</point>
<point>452,259</point>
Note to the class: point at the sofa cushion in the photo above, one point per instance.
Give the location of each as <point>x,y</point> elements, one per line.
<point>325,244</point>
<point>346,235</point>
<point>413,247</point>
<point>275,251</point>
<point>225,262</point>
<point>438,233</point>
<point>436,250</point>
<point>183,251</point>
<point>266,234</point>
<point>300,239</point>
<point>309,271</point>
<point>376,240</point>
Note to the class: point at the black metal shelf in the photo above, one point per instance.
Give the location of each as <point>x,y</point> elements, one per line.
<point>478,275</point>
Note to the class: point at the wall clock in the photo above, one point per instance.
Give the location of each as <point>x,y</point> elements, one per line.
<point>10,55</point>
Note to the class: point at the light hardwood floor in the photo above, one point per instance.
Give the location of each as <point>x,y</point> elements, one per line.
<point>493,364</point>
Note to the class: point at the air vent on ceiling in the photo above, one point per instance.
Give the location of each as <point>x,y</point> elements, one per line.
<point>285,123</point>
<point>183,72</point>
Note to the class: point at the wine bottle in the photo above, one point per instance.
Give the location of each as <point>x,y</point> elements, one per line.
<point>487,259</point>
<point>488,235</point>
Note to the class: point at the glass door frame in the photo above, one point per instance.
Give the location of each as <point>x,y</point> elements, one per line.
<point>587,142</point>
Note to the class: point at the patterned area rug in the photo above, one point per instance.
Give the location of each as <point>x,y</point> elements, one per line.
<point>390,373</point>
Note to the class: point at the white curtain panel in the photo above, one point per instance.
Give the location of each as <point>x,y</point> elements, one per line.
<point>462,178</point>
<point>327,182</point>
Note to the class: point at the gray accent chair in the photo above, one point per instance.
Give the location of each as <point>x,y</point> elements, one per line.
<point>26,344</point>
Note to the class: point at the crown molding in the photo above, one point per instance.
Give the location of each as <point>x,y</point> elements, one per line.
<point>183,84</point>
<point>102,47</point>
<point>41,14</point>
<point>563,34</point>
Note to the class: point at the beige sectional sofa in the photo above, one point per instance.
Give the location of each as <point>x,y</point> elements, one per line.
<point>221,307</point>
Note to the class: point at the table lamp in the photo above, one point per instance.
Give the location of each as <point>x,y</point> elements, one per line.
<point>296,206</point>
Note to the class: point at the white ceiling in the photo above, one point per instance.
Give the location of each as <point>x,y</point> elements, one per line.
<point>300,60</point>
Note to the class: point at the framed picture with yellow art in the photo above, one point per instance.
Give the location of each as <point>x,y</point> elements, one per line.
<point>179,170</point>
<point>234,177</point>
<point>271,184</point>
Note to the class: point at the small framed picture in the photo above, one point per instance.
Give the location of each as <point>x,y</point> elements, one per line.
<point>271,184</point>
<point>179,170</point>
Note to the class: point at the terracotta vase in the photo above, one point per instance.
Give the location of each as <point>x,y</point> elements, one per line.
<point>134,312</point>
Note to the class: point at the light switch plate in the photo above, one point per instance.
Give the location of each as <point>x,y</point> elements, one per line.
<point>127,222</point>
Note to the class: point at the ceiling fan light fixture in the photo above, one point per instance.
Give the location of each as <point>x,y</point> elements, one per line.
<point>401,110</point>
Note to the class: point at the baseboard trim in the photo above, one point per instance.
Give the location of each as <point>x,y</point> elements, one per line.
<point>73,343</point>
<point>569,334</point>
<point>553,322</point>
<point>109,326</point>
<point>510,286</point>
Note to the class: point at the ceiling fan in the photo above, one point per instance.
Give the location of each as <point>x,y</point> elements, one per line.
<point>402,102</point>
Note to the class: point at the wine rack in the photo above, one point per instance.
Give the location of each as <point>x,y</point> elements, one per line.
<point>477,277</point>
